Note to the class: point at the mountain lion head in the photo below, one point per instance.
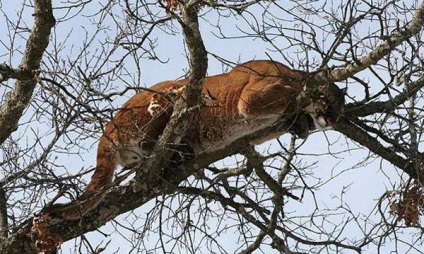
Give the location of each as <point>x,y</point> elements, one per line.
<point>326,106</point>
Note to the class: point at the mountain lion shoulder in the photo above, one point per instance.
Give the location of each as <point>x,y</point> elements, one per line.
<point>251,97</point>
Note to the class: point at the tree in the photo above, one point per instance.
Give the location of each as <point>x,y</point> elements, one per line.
<point>68,65</point>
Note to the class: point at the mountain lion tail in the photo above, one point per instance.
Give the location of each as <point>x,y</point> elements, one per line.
<point>96,189</point>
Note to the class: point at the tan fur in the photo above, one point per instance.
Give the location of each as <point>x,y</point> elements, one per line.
<point>251,97</point>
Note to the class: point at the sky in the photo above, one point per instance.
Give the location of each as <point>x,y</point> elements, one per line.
<point>342,171</point>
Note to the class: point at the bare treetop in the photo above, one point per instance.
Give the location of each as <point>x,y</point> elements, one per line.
<point>68,67</point>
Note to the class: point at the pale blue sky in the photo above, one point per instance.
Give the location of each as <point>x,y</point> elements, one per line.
<point>365,182</point>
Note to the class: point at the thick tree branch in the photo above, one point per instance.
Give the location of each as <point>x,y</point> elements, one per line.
<point>147,184</point>
<point>19,97</point>
<point>156,178</point>
<point>257,162</point>
<point>122,199</point>
<point>3,213</point>
<point>155,181</point>
<point>187,106</point>
<point>362,137</point>
<point>7,72</point>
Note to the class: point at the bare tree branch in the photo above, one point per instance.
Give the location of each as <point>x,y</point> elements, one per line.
<point>365,108</point>
<point>3,213</point>
<point>186,106</point>
<point>362,137</point>
<point>255,202</point>
<point>17,99</point>
<point>398,36</point>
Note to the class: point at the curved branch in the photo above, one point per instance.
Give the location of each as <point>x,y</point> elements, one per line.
<point>19,97</point>
<point>362,137</point>
<point>391,42</point>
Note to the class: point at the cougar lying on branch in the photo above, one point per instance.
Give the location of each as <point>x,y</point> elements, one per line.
<point>253,96</point>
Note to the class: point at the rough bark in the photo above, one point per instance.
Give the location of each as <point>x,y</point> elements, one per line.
<point>3,213</point>
<point>19,97</point>
<point>17,100</point>
<point>362,137</point>
<point>122,199</point>
<point>185,107</point>
<point>391,42</point>
<point>149,184</point>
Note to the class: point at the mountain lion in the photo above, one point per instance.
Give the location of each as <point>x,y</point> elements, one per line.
<point>253,96</point>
